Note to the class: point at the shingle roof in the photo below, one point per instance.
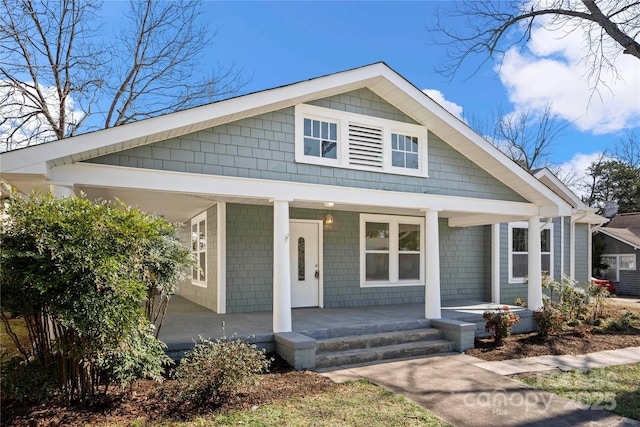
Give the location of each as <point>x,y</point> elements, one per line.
<point>626,220</point>
<point>624,227</point>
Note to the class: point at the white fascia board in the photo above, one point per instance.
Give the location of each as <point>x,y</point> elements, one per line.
<point>482,219</point>
<point>149,179</point>
<point>549,179</point>
<point>593,220</point>
<point>32,169</point>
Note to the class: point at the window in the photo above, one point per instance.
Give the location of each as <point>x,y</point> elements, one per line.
<point>391,250</point>
<point>354,141</point>
<point>199,249</point>
<point>404,151</point>
<point>301,259</point>
<point>320,139</point>
<point>616,263</point>
<point>519,251</point>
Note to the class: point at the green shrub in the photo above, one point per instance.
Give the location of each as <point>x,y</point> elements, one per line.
<point>499,323</point>
<point>549,319</point>
<point>213,370</point>
<point>570,298</point>
<point>79,272</point>
<point>599,294</point>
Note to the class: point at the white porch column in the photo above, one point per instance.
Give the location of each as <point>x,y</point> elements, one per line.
<point>281,268</point>
<point>61,189</point>
<point>534,297</point>
<point>572,249</point>
<point>432,305</point>
<point>495,263</point>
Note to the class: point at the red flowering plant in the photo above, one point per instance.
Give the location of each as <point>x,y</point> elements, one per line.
<point>499,323</point>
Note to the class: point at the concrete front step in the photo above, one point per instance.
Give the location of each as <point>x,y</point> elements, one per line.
<point>352,330</point>
<point>397,351</point>
<point>376,340</point>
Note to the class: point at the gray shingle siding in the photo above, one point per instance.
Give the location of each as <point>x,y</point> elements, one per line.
<point>249,258</point>
<point>582,253</point>
<point>464,269</point>
<point>364,101</point>
<point>465,262</point>
<point>263,147</point>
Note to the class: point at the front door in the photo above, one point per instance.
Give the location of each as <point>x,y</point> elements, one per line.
<point>305,263</point>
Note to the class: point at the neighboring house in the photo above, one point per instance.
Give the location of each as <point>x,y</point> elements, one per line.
<point>349,190</point>
<point>619,240</point>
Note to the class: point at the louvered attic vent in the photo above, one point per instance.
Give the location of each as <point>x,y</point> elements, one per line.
<point>365,145</point>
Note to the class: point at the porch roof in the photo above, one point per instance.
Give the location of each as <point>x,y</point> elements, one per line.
<point>46,162</point>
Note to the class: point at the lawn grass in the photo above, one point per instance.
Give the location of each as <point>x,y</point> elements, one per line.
<point>7,347</point>
<point>615,388</point>
<point>355,404</point>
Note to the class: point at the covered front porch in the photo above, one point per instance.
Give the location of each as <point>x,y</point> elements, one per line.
<point>186,321</point>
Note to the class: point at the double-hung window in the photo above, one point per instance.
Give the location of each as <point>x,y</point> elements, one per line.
<point>616,263</point>
<point>519,250</point>
<point>328,137</point>
<point>199,249</point>
<point>391,250</point>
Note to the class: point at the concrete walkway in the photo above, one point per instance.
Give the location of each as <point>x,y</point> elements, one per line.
<point>564,362</point>
<point>463,391</point>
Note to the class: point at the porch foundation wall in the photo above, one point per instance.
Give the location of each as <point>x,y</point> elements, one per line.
<point>461,334</point>
<point>297,349</point>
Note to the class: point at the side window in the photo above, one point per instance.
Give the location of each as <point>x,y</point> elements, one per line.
<point>519,251</point>
<point>617,263</point>
<point>199,249</point>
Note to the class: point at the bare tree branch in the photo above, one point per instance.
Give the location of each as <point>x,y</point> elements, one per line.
<point>154,77</point>
<point>525,138</point>
<point>56,70</point>
<point>490,28</point>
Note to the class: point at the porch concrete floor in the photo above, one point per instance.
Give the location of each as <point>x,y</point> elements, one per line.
<point>186,321</point>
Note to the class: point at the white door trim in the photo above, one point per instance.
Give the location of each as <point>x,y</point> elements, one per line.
<point>320,256</point>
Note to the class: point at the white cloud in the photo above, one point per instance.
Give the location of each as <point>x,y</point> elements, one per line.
<point>35,129</point>
<point>553,72</point>
<point>452,107</point>
<point>574,172</point>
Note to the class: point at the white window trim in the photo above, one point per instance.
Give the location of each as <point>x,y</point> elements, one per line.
<point>196,220</point>
<point>393,222</point>
<point>618,264</point>
<point>525,224</point>
<point>343,118</point>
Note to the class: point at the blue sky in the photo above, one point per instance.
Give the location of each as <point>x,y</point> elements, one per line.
<point>278,43</point>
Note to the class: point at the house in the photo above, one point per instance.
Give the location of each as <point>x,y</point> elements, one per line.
<point>353,189</point>
<point>619,242</point>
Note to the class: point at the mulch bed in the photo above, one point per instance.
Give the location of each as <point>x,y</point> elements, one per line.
<point>148,401</point>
